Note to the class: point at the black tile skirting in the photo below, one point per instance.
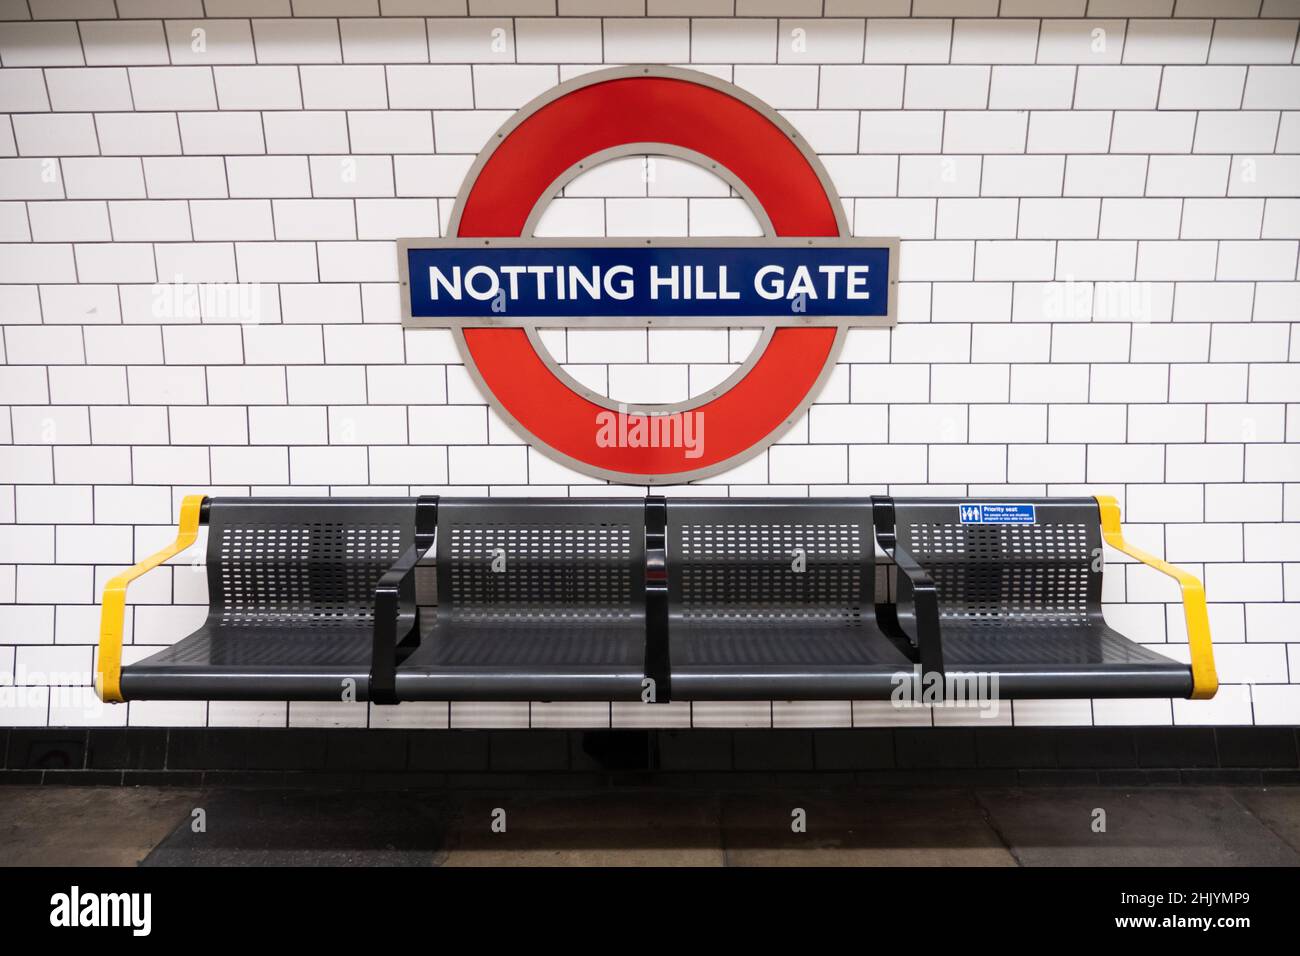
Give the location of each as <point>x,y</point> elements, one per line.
<point>566,758</point>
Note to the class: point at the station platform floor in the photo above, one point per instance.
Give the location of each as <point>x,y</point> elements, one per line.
<point>892,826</point>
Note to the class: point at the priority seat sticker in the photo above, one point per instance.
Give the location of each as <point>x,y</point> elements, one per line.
<point>996,514</point>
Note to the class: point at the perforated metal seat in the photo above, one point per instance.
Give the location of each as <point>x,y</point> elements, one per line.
<point>536,600</point>
<point>1023,601</point>
<point>775,598</point>
<point>291,585</point>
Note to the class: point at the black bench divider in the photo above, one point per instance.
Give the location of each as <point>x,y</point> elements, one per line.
<point>916,594</point>
<point>397,615</point>
<point>657,666</point>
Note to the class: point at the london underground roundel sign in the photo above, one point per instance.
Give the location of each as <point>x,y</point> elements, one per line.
<point>494,284</point>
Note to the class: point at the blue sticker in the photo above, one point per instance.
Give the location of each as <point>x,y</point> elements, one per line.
<point>996,514</point>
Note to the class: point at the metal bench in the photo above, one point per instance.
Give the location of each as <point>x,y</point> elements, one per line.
<point>627,599</point>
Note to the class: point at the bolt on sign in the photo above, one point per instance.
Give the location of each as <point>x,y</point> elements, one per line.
<point>494,283</point>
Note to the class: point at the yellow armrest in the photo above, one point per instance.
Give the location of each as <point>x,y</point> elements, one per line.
<point>1205,681</point>
<point>108,676</point>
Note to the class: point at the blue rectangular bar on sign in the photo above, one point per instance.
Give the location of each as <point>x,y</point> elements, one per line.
<point>996,514</point>
<point>513,281</point>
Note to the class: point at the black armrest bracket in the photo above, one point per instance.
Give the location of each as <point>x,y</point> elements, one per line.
<point>657,664</point>
<point>916,591</point>
<point>396,614</point>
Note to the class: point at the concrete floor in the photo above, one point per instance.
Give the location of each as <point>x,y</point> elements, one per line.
<point>1202,826</point>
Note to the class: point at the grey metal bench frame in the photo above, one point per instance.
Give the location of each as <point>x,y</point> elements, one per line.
<point>646,599</point>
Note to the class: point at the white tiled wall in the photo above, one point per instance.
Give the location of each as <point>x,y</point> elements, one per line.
<point>1100,219</point>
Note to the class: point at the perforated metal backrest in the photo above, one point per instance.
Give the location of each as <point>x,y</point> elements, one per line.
<point>305,561</point>
<point>743,559</point>
<point>524,559</point>
<point>995,573</point>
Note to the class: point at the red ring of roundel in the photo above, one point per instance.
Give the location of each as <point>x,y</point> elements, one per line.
<point>675,112</point>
